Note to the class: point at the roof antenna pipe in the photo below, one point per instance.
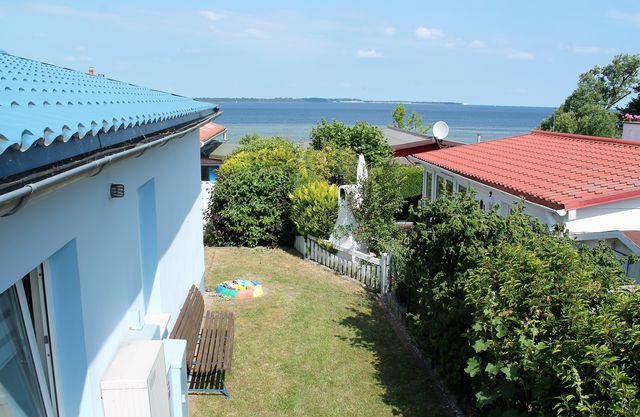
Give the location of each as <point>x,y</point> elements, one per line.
<point>478,137</point>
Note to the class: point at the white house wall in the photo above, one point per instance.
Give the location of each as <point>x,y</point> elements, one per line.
<point>492,196</point>
<point>619,215</point>
<point>86,238</point>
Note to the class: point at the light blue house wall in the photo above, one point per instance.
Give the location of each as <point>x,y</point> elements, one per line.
<point>95,263</point>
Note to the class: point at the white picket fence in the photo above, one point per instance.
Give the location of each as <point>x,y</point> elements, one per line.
<point>372,272</point>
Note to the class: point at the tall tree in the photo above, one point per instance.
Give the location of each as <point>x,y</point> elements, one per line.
<point>633,107</point>
<point>413,123</point>
<point>399,114</point>
<point>589,109</point>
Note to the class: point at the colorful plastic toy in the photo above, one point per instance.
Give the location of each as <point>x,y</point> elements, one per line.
<point>240,288</point>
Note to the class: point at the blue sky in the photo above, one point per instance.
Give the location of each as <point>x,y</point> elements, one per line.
<point>478,52</point>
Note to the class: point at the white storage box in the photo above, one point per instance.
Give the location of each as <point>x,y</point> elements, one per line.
<point>135,385</point>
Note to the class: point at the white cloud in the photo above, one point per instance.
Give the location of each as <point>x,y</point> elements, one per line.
<point>587,50</point>
<point>55,10</point>
<point>211,15</point>
<point>477,44</point>
<point>520,55</point>
<point>368,53</point>
<point>633,18</point>
<point>390,30</point>
<point>257,33</point>
<point>424,32</point>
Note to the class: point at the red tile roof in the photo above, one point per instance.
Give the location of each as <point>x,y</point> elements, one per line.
<point>210,131</point>
<point>557,170</point>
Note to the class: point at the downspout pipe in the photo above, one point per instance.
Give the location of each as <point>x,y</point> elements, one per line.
<point>14,200</point>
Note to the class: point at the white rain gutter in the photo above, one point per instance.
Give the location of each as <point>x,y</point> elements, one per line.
<point>14,200</point>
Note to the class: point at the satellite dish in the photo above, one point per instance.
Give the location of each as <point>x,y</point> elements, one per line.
<point>440,130</point>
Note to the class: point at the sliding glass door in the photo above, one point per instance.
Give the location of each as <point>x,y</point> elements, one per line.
<point>20,391</point>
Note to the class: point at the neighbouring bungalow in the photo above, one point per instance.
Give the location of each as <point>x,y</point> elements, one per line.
<point>212,135</point>
<point>100,232</point>
<point>589,184</point>
<point>405,143</point>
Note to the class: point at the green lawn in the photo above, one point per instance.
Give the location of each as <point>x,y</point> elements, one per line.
<point>315,345</point>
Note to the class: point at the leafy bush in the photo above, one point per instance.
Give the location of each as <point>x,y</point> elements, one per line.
<point>326,164</point>
<point>410,188</point>
<point>381,201</point>
<point>519,319</point>
<point>265,153</point>
<point>315,209</point>
<point>325,134</point>
<point>250,205</point>
<point>362,138</point>
<point>551,332</point>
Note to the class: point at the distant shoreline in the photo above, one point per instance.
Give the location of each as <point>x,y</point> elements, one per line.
<point>315,100</point>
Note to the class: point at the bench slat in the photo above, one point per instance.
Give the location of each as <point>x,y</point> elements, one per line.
<point>209,340</point>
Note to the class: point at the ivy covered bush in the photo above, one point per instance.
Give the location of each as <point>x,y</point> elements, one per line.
<point>315,209</point>
<point>520,320</point>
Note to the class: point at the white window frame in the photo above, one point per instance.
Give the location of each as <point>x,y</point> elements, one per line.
<point>445,177</point>
<point>35,355</point>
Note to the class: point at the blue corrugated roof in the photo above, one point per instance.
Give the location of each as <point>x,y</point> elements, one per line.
<point>42,103</point>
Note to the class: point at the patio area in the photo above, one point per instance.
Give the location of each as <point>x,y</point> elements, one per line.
<point>315,344</point>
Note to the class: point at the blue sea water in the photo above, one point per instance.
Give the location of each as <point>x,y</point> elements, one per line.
<point>296,119</point>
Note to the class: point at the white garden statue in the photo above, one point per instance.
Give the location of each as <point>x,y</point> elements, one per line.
<point>342,235</point>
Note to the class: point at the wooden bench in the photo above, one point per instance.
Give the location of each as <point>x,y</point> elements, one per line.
<point>209,344</point>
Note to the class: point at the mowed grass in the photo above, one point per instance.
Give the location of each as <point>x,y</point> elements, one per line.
<point>315,345</point>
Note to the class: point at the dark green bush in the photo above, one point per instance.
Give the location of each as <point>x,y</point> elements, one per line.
<point>250,205</point>
<point>520,320</point>
<point>251,208</point>
<point>362,138</point>
<point>410,188</point>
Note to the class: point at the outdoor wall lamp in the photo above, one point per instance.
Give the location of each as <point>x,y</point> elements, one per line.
<point>116,190</point>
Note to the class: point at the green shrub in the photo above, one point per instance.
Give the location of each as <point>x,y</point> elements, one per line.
<point>410,188</point>
<point>252,143</point>
<point>381,201</point>
<point>362,138</point>
<point>250,208</point>
<point>325,134</point>
<point>519,319</point>
<point>411,180</point>
<point>326,164</point>
<point>315,209</point>
<point>250,204</point>
<point>551,332</point>
<point>265,153</point>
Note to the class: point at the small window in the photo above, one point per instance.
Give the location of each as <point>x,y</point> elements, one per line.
<point>462,189</point>
<point>444,185</point>
<point>505,209</point>
<point>428,180</point>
